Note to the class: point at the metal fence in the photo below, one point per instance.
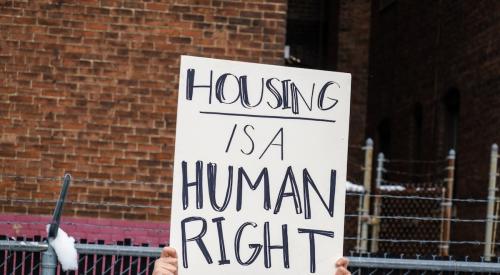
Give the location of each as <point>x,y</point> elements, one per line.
<point>409,208</point>
<point>18,257</point>
<point>407,212</point>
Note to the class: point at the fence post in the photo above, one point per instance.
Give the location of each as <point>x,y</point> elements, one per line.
<point>363,219</point>
<point>446,205</point>
<point>377,203</point>
<point>380,169</point>
<point>49,261</point>
<point>490,216</point>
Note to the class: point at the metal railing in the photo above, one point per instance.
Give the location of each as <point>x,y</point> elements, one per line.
<point>17,257</point>
<point>414,217</point>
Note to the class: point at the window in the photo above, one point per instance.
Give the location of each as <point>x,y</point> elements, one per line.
<point>416,147</point>
<point>383,4</point>
<point>384,136</point>
<point>451,108</point>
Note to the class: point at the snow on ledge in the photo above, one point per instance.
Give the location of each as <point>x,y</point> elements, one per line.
<point>391,188</point>
<point>64,246</point>
<point>351,187</point>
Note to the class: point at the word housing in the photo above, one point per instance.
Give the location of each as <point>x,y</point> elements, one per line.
<point>285,94</point>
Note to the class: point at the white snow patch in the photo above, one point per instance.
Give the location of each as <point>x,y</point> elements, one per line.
<point>418,189</point>
<point>64,246</point>
<point>352,187</point>
<point>390,188</point>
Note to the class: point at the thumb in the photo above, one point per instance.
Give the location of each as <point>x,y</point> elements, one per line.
<point>168,252</point>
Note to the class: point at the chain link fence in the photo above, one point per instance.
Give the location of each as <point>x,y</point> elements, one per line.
<point>411,202</point>
<point>409,208</point>
<point>398,223</point>
<point>18,257</point>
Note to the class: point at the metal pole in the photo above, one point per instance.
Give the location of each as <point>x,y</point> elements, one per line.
<point>49,261</point>
<point>377,204</point>
<point>447,205</point>
<point>56,217</point>
<point>380,169</point>
<point>495,226</point>
<point>49,257</point>
<point>490,216</point>
<point>443,216</point>
<point>363,218</point>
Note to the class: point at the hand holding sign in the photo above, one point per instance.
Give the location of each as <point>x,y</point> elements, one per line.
<point>341,267</point>
<point>260,168</point>
<point>167,264</point>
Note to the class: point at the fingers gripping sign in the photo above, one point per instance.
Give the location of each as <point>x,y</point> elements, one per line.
<point>167,263</point>
<point>341,267</point>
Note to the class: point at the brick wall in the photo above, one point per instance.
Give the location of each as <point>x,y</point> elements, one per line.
<point>87,230</point>
<point>89,87</point>
<point>419,53</point>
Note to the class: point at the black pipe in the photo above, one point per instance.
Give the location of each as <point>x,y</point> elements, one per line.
<point>56,217</point>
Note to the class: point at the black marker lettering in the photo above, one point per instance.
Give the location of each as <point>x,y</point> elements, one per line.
<point>237,242</point>
<point>190,85</point>
<point>268,246</point>
<point>231,137</point>
<point>295,92</point>
<point>284,84</point>
<point>222,247</point>
<point>275,93</point>
<point>312,244</point>
<point>289,177</point>
<point>198,184</point>
<point>212,186</point>
<point>280,134</point>
<point>198,239</point>
<point>307,180</point>
<point>263,176</point>
<point>321,96</point>
<point>245,101</point>
<point>250,138</point>
<point>219,88</point>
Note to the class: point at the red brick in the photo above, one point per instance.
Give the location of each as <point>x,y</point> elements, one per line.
<point>89,88</point>
<point>96,26</point>
<point>180,40</point>
<point>156,6</point>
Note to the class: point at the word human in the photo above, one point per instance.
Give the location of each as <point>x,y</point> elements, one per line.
<point>240,180</point>
<point>284,93</point>
<point>240,176</point>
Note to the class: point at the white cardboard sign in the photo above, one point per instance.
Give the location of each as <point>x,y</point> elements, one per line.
<point>260,168</point>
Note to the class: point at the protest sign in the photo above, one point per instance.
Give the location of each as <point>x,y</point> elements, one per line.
<point>260,168</point>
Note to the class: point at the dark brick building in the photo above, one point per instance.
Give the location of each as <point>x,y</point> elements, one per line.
<point>334,35</point>
<point>434,85</point>
<point>426,78</point>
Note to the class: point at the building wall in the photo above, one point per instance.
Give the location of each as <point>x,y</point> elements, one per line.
<point>89,88</point>
<point>352,57</point>
<point>335,35</point>
<point>420,52</point>
<point>305,21</point>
